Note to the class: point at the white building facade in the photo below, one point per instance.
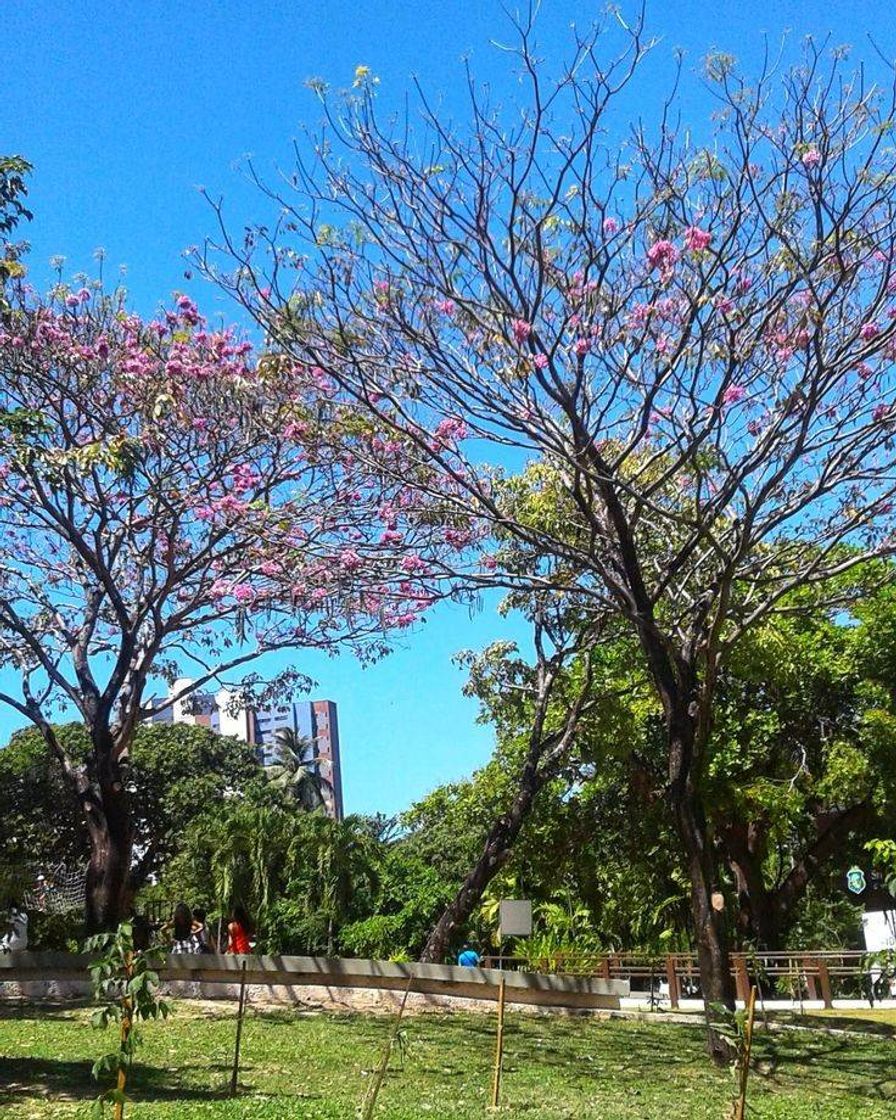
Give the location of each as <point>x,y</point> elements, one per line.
<point>315,721</point>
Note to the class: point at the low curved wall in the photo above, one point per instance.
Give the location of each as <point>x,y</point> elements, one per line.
<point>320,982</point>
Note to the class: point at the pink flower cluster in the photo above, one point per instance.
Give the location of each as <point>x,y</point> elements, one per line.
<point>450,430</point>
<point>696,239</point>
<point>733,394</point>
<point>662,255</point>
<point>521,330</point>
<point>245,478</point>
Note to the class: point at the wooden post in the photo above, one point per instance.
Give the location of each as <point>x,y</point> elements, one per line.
<point>370,1100</point>
<point>740,1110</point>
<point>499,1047</point>
<point>672,977</point>
<point>824,979</point>
<point>741,979</point>
<point>234,1076</point>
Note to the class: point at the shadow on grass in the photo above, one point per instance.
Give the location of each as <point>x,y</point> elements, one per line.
<point>21,1078</point>
<point>42,1011</point>
<point>851,1023</point>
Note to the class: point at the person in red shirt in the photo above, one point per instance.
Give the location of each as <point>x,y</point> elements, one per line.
<point>239,931</point>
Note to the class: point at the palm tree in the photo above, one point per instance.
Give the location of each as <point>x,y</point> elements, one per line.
<point>297,772</point>
<point>346,867</point>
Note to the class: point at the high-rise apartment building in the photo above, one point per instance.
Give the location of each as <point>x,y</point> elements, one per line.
<point>314,721</point>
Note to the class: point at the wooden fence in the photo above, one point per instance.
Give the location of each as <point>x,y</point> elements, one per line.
<point>817,975</point>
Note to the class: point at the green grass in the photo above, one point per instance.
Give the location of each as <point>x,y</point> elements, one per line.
<point>318,1066</point>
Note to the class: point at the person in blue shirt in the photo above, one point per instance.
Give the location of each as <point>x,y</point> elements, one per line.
<point>468,957</point>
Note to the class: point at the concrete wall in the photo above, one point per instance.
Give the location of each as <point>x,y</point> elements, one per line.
<point>320,982</point>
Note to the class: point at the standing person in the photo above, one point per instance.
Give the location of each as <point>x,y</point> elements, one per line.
<point>201,929</point>
<point>239,931</point>
<point>468,957</point>
<point>14,937</point>
<point>181,927</point>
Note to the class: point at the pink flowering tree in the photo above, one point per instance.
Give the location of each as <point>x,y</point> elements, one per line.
<point>689,329</point>
<point>173,505</point>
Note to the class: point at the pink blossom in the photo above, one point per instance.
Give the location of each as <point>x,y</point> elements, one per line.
<point>72,301</point>
<point>880,412</point>
<point>245,478</point>
<point>811,157</point>
<point>323,383</point>
<point>446,306</point>
<point>230,504</point>
<point>724,304</point>
<point>458,538</point>
<point>869,331</point>
<point>402,621</point>
<point>581,347</point>
<point>541,361</point>
<point>489,562</point>
<point>451,429</point>
<point>521,330</point>
<point>188,310</point>
<point>733,394</point>
<point>662,255</point>
<point>390,536</point>
<point>83,295</point>
<point>696,239</point>
<point>611,226</point>
<point>412,564</point>
<point>350,560</point>
<point>243,593</point>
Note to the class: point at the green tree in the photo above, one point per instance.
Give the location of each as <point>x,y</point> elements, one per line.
<point>301,876</point>
<point>176,771</point>
<point>296,771</point>
<point>799,774</point>
<point>14,171</point>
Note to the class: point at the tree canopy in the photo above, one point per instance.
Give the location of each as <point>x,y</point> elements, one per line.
<point>689,327</point>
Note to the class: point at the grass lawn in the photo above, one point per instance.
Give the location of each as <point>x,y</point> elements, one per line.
<point>317,1066</point>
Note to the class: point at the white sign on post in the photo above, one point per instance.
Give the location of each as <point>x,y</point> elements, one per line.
<point>514,918</point>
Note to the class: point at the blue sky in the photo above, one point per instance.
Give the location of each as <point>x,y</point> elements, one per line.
<point>127,109</point>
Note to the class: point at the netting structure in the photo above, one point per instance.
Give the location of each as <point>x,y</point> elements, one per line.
<point>58,889</point>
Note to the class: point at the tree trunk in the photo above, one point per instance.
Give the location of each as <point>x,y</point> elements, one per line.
<point>745,846</point>
<point>707,912</point>
<point>765,913</point>
<point>498,846</point>
<point>108,871</point>
<point>109,824</point>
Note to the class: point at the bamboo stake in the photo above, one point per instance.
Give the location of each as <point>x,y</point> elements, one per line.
<point>126,1020</point>
<point>374,1090</point>
<point>234,1076</point>
<point>499,1046</point>
<point>740,1112</point>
